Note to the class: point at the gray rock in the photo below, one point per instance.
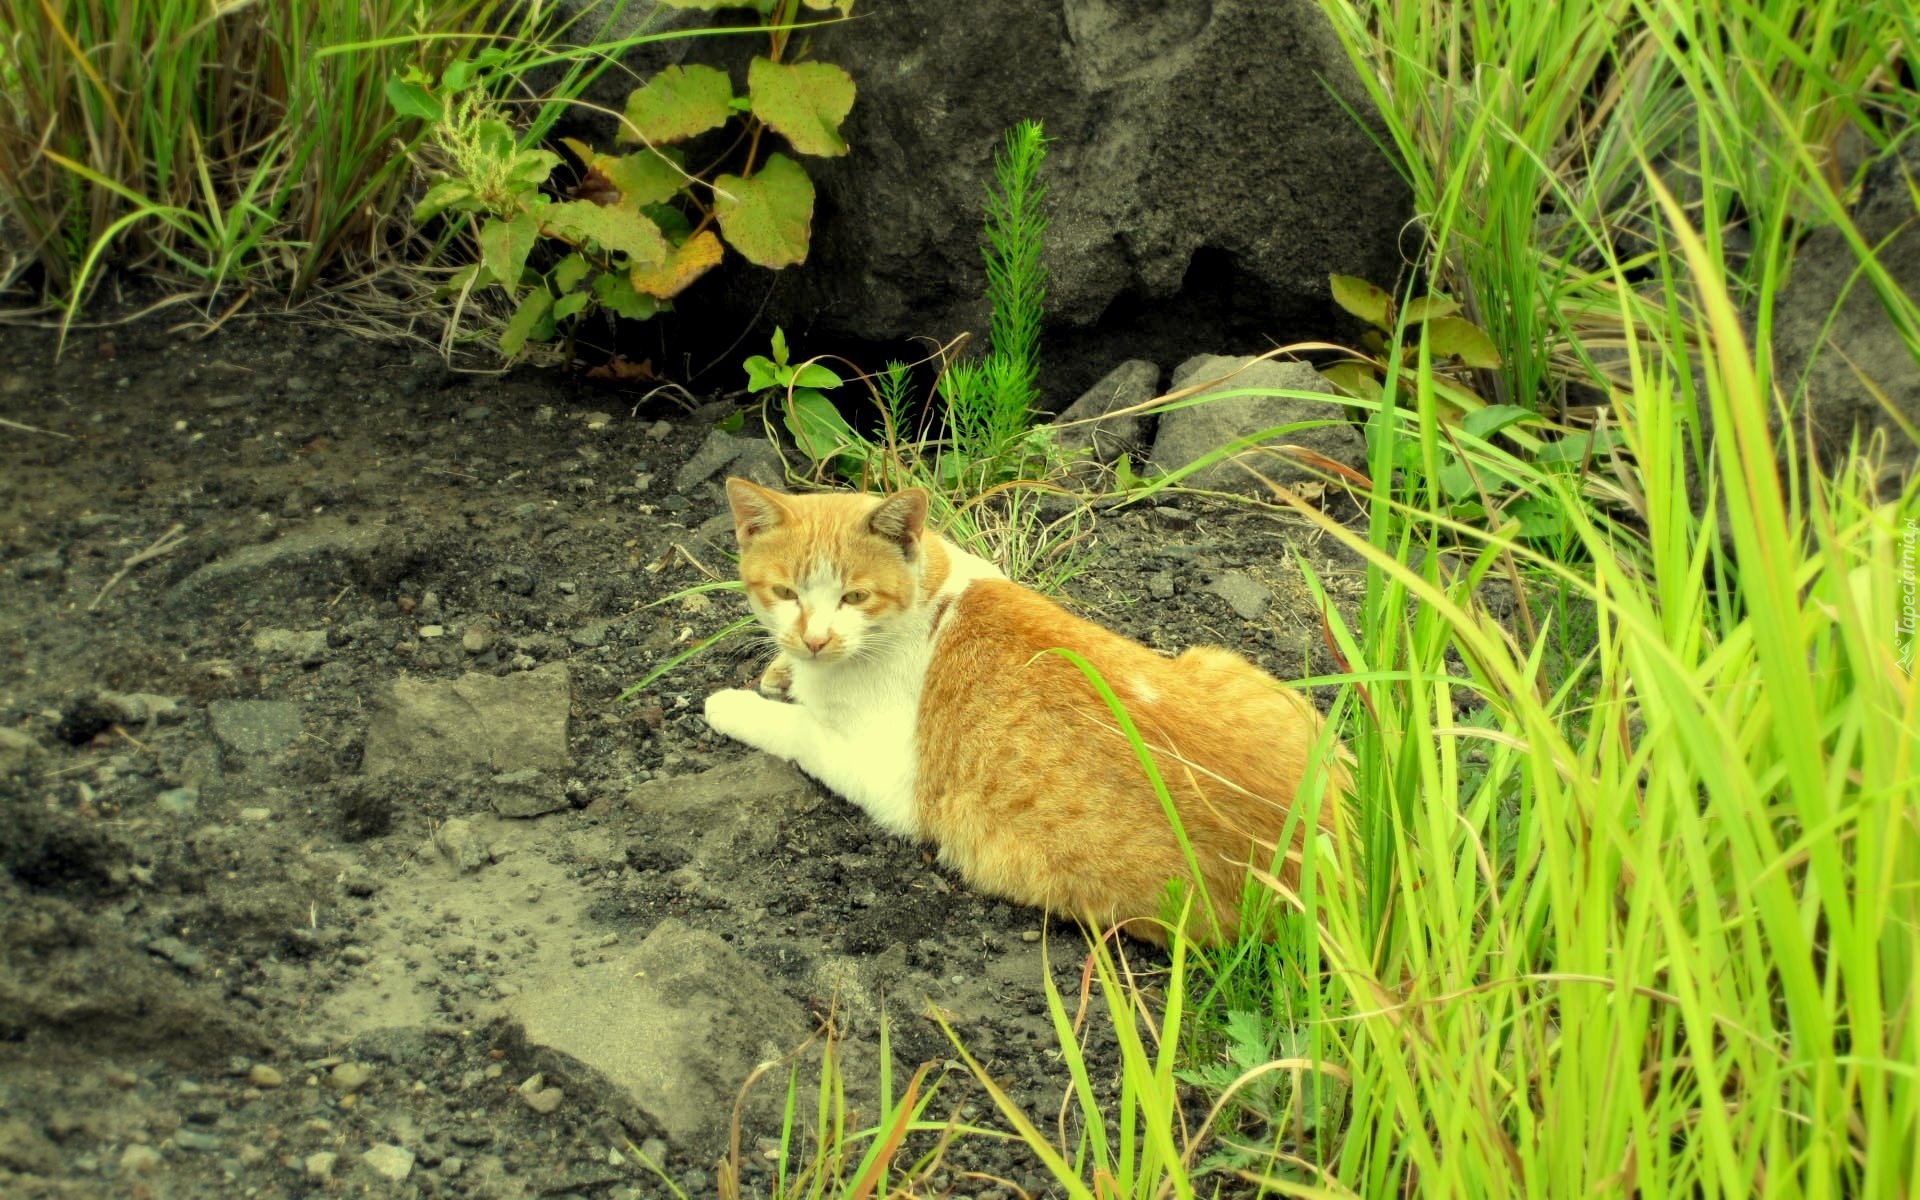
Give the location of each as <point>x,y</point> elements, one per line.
<point>679,1022</point>
<point>462,845</point>
<point>1160,585</point>
<point>179,802</point>
<point>389,1162</point>
<point>528,793</point>
<point>138,1159</point>
<point>496,723</point>
<point>1863,341</point>
<point>1086,426</point>
<point>1187,434</point>
<point>254,727</point>
<point>1204,178</point>
<point>142,708</point>
<point>722,451</point>
<point>316,558</point>
<point>304,646</point>
<point>18,750</point>
<point>1247,595</point>
<point>721,816</point>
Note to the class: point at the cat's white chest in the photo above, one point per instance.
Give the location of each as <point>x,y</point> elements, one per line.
<point>871,706</point>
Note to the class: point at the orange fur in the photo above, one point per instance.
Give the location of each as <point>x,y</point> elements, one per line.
<point>1018,771</point>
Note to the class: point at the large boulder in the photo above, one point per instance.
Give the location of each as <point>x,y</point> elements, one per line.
<point>1204,177</point>
<point>1832,334</point>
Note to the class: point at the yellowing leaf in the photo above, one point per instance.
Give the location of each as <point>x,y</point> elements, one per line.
<point>1454,337</point>
<point>618,230</point>
<point>1427,308</point>
<point>678,103</point>
<point>803,102</point>
<point>504,246</point>
<point>639,179</point>
<point>767,217</point>
<point>689,261</point>
<point>1362,299</point>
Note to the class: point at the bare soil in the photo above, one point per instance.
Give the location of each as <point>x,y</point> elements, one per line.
<point>228,951</point>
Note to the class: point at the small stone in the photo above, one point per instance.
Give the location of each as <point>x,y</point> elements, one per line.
<point>389,1162</point>
<point>1247,596</point>
<point>475,641</point>
<point>203,1143</point>
<point>543,1101</point>
<point>462,845</point>
<point>659,430</point>
<point>261,1075</point>
<point>256,814</point>
<point>1030,935</point>
<point>475,412</point>
<point>178,802</point>
<point>349,1077</point>
<point>319,1165</point>
<point>1160,585</point>
<point>137,1159</point>
<point>599,420</point>
<point>433,631</point>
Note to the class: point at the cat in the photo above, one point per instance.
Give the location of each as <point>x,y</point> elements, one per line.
<point>914,679</point>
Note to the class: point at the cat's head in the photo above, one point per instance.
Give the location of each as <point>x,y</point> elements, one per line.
<point>828,574</point>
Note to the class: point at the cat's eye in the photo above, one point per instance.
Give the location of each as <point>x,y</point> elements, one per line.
<point>856,596</point>
<point>782,592</point>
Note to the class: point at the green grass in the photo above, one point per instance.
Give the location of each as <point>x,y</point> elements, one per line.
<point>236,148</point>
<point>1648,922</point>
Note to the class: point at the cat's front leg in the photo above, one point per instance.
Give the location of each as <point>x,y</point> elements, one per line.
<point>761,723</point>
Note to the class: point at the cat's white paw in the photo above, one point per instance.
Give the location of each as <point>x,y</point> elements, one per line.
<point>736,713</point>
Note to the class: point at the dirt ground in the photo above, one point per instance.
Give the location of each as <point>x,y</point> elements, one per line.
<point>324,830</point>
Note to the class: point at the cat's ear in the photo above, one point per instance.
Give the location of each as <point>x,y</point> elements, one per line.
<point>755,509</point>
<point>901,519</point>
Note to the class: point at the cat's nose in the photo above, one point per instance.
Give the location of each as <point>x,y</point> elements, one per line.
<point>815,644</point>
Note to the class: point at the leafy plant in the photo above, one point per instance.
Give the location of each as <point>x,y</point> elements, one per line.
<point>987,403</point>
<point>1445,336</point>
<point>225,147</point>
<point>638,227</point>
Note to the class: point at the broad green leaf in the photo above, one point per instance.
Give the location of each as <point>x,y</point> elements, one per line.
<point>763,374</point>
<point>1539,519</point>
<point>569,271</point>
<point>689,261</point>
<point>1485,422</point>
<point>642,178</point>
<point>504,246</point>
<point>843,7</point>
<point>817,426</point>
<point>1454,337</point>
<point>448,193</point>
<point>411,99</point>
<point>779,345</point>
<point>803,102</point>
<point>535,307</point>
<point>673,223</point>
<point>1354,378</point>
<point>569,304</point>
<point>530,168</point>
<point>615,294</point>
<point>1426,308</point>
<point>1362,299</point>
<point>767,217</point>
<point>813,375</point>
<point>495,139</point>
<point>615,230</point>
<point>676,104</point>
<point>1576,447</point>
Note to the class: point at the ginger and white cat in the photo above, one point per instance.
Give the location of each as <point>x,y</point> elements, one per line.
<point>920,688</point>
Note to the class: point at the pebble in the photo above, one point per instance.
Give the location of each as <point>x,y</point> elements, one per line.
<point>263,1076</point>
<point>1031,935</point>
<point>139,1160</point>
<point>188,1139</point>
<point>389,1162</point>
<point>256,814</point>
<point>475,641</point>
<point>1246,595</point>
<point>1160,585</point>
<point>539,1097</point>
<point>319,1165</point>
<point>179,802</point>
<point>349,1077</point>
<point>433,631</point>
<point>659,430</point>
<point>462,845</point>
